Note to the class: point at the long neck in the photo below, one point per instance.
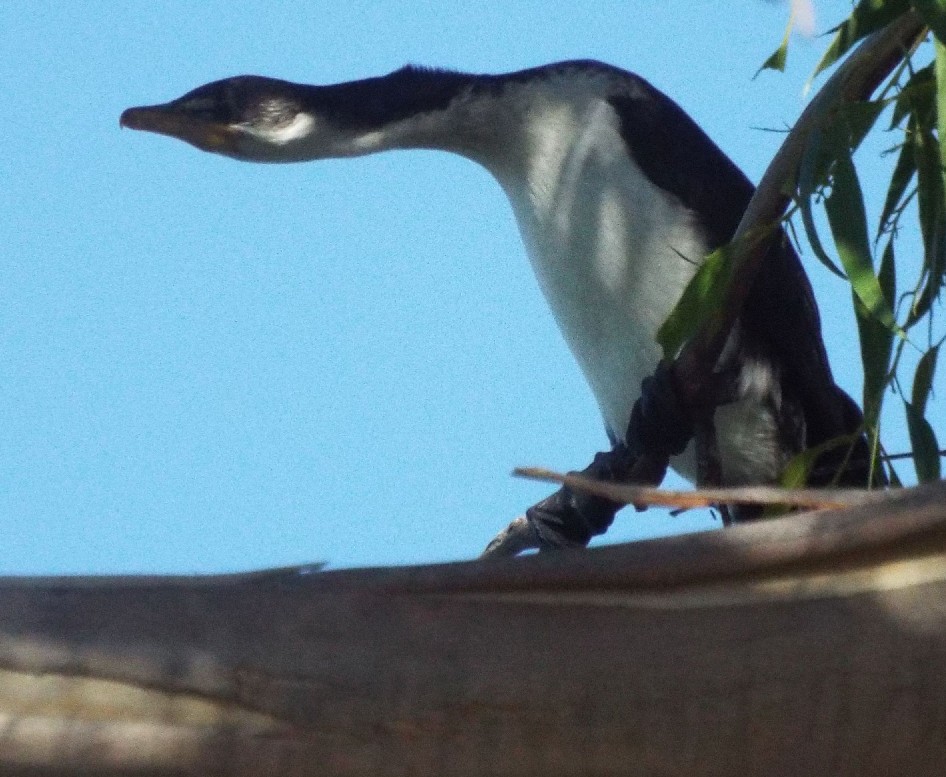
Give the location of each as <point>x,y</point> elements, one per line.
<point>520,126</point>
<point>409,108</point>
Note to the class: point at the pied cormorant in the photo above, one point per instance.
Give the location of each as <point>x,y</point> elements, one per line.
<point>618,195</point>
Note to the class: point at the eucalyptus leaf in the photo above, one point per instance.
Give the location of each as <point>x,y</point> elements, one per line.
<point>876,342</point>
<point>796,472</point>
<point>923,379</point>
<point>867,17</point>
<point>887,275</point>
<point>903,173</point>
<point>701,298</point>
<point>940,62</point>
<point>778,58</point>
<point>925,447</point>
<point>917,95</point>
<point>848,220</point>
<point>811,176</point>
<point>931,198</point>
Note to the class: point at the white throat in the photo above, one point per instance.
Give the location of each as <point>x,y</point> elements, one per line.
<point>612,252</point>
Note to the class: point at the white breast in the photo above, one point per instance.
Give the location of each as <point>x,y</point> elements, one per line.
<point>611,251</point>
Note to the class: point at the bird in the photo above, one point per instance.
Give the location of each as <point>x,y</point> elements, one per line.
<point>618,195</point>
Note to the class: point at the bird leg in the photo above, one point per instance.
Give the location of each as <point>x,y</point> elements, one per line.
<point>568,518</point>
<point>660,427</point>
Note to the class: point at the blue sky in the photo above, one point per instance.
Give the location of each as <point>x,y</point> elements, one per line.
<point>210,366</point>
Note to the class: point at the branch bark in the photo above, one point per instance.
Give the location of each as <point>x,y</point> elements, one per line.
<point>814,644</point>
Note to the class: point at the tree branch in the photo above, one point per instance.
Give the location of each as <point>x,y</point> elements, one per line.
<point>813,644</point>
<point>809,498</point>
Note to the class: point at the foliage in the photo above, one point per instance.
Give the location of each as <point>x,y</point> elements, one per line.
<point>895,302</point>
<point>890,323</point>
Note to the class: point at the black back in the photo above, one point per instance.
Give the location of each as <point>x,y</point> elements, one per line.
<point>780,313</point>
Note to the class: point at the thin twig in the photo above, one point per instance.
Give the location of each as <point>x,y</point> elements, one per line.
<point>810,498</point>
<point>897,456</point>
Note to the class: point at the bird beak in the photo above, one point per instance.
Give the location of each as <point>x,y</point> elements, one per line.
<point>168,119</point>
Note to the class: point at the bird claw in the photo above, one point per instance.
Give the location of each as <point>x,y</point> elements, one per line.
<point>568,518</point>
<point>519,536</point>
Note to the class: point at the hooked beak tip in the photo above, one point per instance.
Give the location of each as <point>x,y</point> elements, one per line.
<point>129,118</point>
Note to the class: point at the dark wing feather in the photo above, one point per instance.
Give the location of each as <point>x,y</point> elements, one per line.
<point>780,312</point>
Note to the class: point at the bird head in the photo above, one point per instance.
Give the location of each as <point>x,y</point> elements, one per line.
<point>251,118</point>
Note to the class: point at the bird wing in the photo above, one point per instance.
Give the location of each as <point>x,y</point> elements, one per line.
<point>780,310</point>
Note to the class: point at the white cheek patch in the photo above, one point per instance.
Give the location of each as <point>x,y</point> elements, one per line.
<point>301,126</point>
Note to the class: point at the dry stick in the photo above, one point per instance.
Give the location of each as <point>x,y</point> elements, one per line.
<point>809,498</point>
<point>899,456</point>
<point>856,79</point>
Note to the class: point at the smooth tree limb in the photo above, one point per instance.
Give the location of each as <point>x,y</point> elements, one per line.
<point>813,644</point>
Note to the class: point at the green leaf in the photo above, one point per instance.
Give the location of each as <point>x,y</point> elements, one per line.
<point>815,163</point>
<point>701,298</point>
<point>903,173</point>
<point>795,474</point>
<point>925,447</point>
<point>931,200</point>
<point>931,193</point>
<point>916,96</point>
<point>923,438</point>
<point>924,302</point>
<point>848,129</point>
<point>867,16</point>
<point>887,276</point>
<point>876,342</point>
<point>848,220</point>
<point>923,379</point>
<point>812,172</point>
<point>936,259</point>
<point>776,60</point>
<point>779,57</point>
<point>940,62</point>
